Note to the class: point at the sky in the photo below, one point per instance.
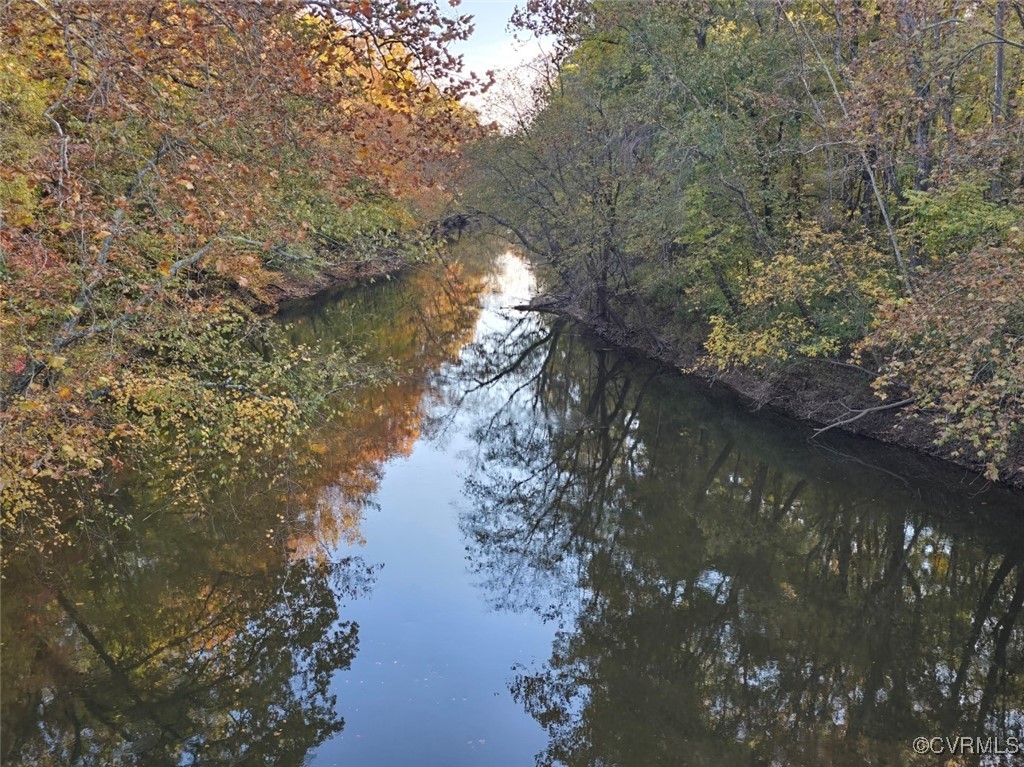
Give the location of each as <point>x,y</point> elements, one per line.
<point>493,46</point>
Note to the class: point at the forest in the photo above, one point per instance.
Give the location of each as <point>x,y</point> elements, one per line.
<point>168,173</point>
<point>818,202</point>
<point>346,391</point>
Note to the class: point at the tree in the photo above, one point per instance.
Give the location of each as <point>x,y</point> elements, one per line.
<point>754,185</point>
<point>169,163</point>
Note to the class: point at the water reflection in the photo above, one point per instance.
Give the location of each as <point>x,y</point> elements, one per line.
<point>232,672</point>
<point>730,595</point>
<point>210,632</point>
<point>723,593</point>
<point>408,329</point>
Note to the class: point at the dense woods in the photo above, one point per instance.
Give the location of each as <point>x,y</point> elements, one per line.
<point>819,203</point>
<point>795,190</point>
<point>789,189</point>
<point>166,169</point>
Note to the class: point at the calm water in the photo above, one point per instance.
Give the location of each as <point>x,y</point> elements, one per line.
<point>526,548</point>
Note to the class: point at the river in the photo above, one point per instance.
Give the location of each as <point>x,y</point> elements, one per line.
<point>524,547</point>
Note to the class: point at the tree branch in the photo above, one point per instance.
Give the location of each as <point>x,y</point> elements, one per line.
<point>861,413</point>
<point>147,298</point>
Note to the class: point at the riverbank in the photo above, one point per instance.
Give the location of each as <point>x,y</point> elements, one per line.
<point>827,395</point>
<point>346,274</point>
<point>351,273</point>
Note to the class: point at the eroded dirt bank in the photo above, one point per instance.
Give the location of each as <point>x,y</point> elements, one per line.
<point>817,392</point>
<point>295,288</point>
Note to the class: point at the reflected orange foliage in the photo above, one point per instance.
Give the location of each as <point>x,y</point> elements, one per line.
<point>436,320</point>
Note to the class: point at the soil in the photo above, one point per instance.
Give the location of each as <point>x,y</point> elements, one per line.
<point>294,288</point>
<point>817,392</point>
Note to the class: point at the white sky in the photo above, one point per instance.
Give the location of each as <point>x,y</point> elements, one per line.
<point>492,45</point>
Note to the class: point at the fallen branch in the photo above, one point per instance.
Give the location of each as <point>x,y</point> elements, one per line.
<point>861,413</point>
<point>841,364</point>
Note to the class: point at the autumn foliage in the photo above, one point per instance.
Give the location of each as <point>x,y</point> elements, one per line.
<point>163,166</point>
<point>764,185</point>
<point>960,341</point>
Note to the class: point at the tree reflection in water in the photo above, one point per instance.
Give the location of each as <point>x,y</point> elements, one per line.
<point>726,594</point>
<point>209,633</point>
<point>238,676</point>
<point>729,594</point>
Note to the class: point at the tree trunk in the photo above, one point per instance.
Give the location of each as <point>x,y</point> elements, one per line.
<point>997,96</point>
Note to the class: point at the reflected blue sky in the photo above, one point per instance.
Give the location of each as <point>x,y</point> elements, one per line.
<point>430,683</point>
